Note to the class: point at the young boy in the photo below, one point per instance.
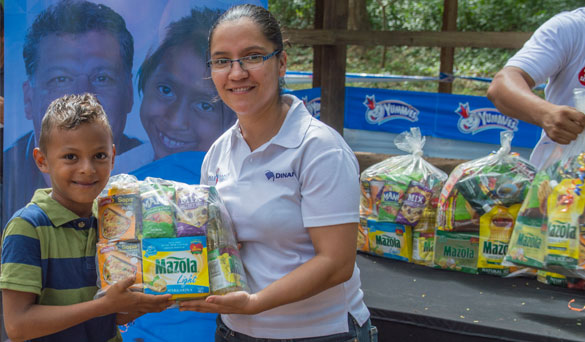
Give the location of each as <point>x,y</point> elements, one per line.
<point>49,278</point>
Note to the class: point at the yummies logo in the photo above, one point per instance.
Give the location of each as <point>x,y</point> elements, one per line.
<point>479,120</point>
<point>380,112</point>
<point>313,106</point>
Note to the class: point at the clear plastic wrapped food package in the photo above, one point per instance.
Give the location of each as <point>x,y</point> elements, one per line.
<point>550,231</point>
<point>173,237</point>
<point>479,203</point>
<point>398,196</point>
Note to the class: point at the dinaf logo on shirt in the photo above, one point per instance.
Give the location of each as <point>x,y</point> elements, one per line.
<point>273,176</point>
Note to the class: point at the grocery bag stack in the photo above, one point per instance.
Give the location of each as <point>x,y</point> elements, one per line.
<point>172,237</point>
<point>398,203</point>
<point>478,207</point>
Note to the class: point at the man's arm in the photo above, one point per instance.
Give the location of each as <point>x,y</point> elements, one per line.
<point>511,93</point>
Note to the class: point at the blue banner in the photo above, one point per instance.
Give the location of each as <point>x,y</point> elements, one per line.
<point>448,116</point>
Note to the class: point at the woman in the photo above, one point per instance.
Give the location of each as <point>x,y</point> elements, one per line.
<point>291,186</point>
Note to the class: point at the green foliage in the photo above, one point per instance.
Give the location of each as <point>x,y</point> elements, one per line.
<point>426,15</point>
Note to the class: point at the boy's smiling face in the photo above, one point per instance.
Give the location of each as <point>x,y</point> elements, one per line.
<point>79,162</point>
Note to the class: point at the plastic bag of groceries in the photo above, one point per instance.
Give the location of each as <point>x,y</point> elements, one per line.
<point>173,237</point>
<point>550,230</point>
<point>478,207</point>
<point>398,198</point>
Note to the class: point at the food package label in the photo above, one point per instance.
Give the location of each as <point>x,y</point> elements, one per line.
<point>363,243</point>
<point>495,228</point>
<point>226,271</point>
<point>117,217</point>
<point>565,206</point>
<point>192,213</point>
<point>176,265</point>
<point>118,261</point>
<point>390,240</point>
<point>456,251</point>
<point>527,244</point>
<point>391,199</point>
<point>422,248</point>
<point>366,201</point>
<point>551,278</point>
<point>416,200</point>
<point>157,214</point>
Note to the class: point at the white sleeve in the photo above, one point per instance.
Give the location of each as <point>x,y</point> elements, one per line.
<point>330,189</point>
<point>547,51</point>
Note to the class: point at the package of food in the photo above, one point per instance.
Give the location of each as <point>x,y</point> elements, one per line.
<point>158,216</point>
<point>117,261</point>
<point>475,187</point>
<point>423,248</point>
<point>495,229</point>
<point>226,271</point>
<point>177,266</point>
<point>363,242</point>
<point>390,240</point>
<point>117,211</point>
<point>173,237</point>
<point>399,188</point>
<point>456,251</point>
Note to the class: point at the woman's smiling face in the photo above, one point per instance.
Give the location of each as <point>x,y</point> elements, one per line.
<point>177,110</point>
<point>246,92</point>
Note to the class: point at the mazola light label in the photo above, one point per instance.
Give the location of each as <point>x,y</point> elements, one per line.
<point>479,120</point>
<point>383,111</point>
<point>313,106</point>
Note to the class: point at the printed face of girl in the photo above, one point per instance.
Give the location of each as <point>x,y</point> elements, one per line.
<point>246,92</point>
<point>177,110</point>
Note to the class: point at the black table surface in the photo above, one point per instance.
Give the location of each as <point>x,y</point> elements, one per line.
<point>494,308</point>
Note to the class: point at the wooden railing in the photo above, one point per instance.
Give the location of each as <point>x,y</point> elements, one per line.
<point>331,37</point>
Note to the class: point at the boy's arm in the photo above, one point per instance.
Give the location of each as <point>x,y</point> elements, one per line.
<point>25,320</point>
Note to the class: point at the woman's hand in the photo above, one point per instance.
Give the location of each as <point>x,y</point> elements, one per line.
<point>239,302</point>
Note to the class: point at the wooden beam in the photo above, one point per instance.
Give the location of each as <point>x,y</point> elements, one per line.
<point>318,49</point>
<point>506,40</point>
<point>448,53</point>
<point>333,66</point>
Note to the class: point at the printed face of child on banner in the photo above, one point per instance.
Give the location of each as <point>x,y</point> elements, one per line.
<point>151,79</point>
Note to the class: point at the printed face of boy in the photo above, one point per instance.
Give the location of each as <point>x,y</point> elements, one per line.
<point>177,110</point>
<point>79,162</point>
<point>78,63</point>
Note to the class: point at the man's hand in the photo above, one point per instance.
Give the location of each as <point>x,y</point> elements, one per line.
<point>563,124</point>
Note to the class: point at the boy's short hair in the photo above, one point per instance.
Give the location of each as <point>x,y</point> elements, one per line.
<point>69,112</point>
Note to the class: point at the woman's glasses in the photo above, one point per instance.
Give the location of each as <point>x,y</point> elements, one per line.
<point>246,63</point>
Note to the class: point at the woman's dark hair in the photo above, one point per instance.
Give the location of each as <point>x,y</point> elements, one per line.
<point>262,17</point>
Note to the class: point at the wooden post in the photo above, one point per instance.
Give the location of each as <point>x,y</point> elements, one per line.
<point>318,49</point>
<point>333,66</point>
<point>448,53</point>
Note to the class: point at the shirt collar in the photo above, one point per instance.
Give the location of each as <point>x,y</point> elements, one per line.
<point>58,214</point>
<point>293,129</point>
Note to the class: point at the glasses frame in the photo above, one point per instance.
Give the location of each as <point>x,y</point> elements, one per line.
<point>240,61</point>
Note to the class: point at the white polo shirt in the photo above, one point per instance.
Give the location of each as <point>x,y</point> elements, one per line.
<point>305,176</point>
<point>555,52</point>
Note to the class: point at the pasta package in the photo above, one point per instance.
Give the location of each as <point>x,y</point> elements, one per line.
<point>117,212</point>
<point>117,261</point>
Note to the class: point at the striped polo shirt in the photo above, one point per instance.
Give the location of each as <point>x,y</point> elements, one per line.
<point>50,251</point>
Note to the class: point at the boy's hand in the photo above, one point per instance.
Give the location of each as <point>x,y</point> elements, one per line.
<point>120,298</point>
